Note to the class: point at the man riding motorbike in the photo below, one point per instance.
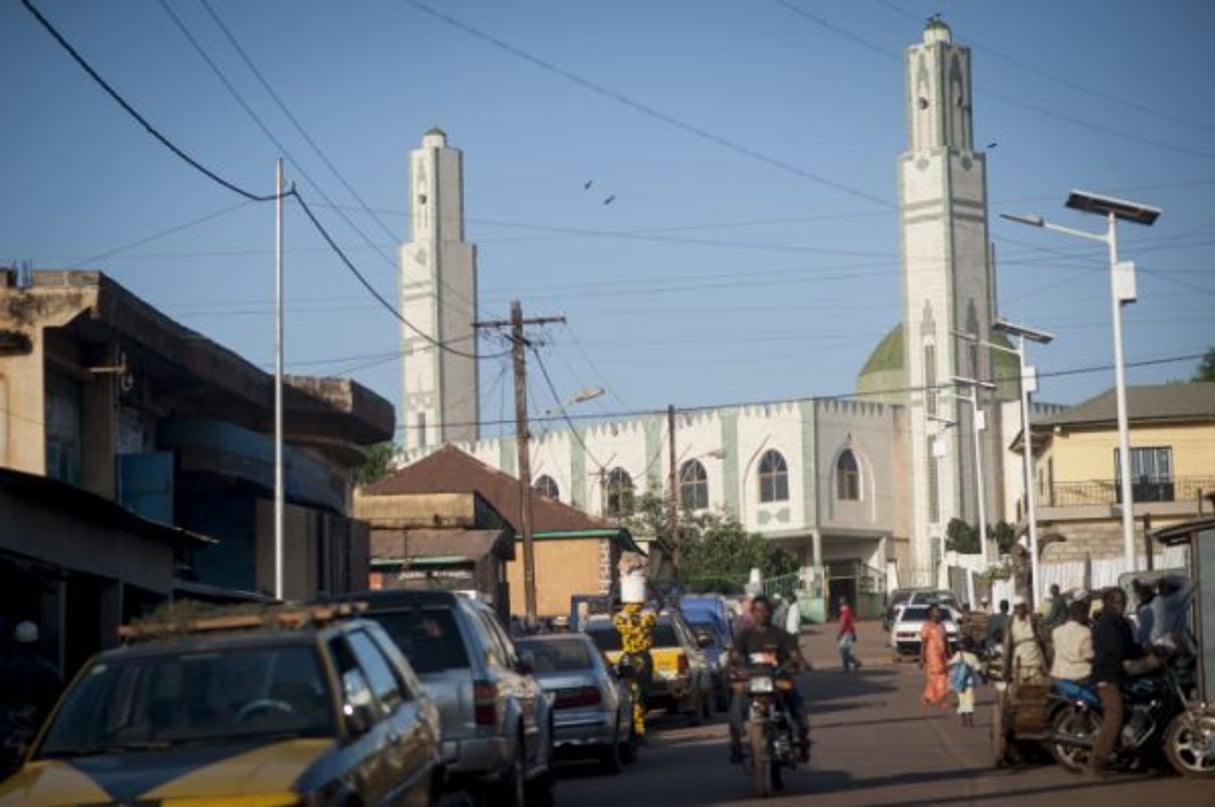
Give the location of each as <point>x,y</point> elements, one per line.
<point>762,637</point>
<point>1113,644</point>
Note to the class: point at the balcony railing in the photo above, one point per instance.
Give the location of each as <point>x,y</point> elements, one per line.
<point>1109,491</point>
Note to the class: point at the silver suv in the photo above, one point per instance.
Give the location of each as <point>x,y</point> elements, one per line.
<point>497,722</point>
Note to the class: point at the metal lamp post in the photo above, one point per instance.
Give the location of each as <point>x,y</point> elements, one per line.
<point>979,423</point>
<point>1028,385</point>
<point>1122,291</point>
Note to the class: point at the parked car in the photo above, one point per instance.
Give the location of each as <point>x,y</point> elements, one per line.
<point>894,601</point>
<point>682,680</point>
<point>218,712</point>
<point>699,609</point>
<point>592,712</point>
<point>497,722</point>
<point>928,596</point>
<point>905,635</point>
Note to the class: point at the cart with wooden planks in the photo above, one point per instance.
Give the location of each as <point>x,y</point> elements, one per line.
<point>1021,721</point>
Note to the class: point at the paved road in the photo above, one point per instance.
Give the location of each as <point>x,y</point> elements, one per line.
<point>873,746</point>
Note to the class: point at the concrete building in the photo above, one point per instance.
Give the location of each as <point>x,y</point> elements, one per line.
<point>102,392</point>
<point>575,553</point>
<point>1172,431</point>
<point>440,391</point>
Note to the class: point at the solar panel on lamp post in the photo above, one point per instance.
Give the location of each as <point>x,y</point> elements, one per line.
<point>1122,291</point>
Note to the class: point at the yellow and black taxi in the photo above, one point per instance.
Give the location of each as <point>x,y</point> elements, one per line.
<point>295,708</point>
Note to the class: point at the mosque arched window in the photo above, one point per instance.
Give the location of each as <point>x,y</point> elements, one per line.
<point>619,493</point>
<point>773,477</point>
<point>546,486</point>
<point>847,477</point>
<point>693,485</point>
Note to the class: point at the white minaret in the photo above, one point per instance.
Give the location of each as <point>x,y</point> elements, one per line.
<point>943,223</point>
<point>439,395</point>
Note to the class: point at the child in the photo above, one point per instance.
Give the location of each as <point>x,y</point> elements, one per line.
<point>963,676</point>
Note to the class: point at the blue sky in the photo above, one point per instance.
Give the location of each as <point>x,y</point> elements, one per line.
<point>715,276</point>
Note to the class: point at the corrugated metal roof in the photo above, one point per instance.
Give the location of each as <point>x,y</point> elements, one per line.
<point>1190,401</point>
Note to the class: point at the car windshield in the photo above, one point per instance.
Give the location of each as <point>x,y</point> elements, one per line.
<point>429,637</point>
<point>158,701</point>
<point>564,655</point>
<point>707,627</point>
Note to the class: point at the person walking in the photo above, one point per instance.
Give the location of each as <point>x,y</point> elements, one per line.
<point>847,637</point>
<point>996,626</point>
<point>934,659</point>
<point>1073,642</point>
<point>1113,643</point>
<point>963,678</point>
<point>1056,614</point>
<point>793,619</point>
<point>1023,655</point>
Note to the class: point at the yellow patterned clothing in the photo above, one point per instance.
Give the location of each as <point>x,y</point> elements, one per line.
<point>636,629</point>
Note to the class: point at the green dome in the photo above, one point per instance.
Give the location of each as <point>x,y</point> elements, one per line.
<point>434,130</point>
<point>888,355</point>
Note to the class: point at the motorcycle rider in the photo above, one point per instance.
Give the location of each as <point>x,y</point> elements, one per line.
<point>1113,643</point>
<point>29,685</point>
<point>761,636</point>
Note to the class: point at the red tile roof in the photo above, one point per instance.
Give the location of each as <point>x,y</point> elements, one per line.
<point>450,470</point>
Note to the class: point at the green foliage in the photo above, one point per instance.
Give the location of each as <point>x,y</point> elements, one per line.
<point>716,552</point>
<point>378,464</point>
<point>1005,535</point>
<point>961,537</point>
<point>1206,367</point>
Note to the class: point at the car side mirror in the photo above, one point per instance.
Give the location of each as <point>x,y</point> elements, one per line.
<point>703,640</point>
<point>359,718</point>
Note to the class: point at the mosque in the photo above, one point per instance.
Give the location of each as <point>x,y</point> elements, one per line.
<point>859,489</point>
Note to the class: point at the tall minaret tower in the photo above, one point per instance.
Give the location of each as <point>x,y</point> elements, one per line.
<point>439,394</point>
<point>946,290</point>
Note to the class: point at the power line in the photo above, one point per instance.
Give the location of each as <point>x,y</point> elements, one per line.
<point>320,228</point>
<point>1059,78</point>
<point>999,96</point>
<point>299,128</point>
<point>645,109</point>
<point>634,413</point>
<point>158,235</point>
<point>130,110</point>
<point>552,388</point>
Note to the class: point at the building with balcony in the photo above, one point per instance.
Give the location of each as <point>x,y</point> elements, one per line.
<point>1078,486</point>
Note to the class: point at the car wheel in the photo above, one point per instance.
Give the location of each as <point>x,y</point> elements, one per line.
<point>698,709</point>
<point>610,760</point>
<point>630,746</point>
<point>510,790</point>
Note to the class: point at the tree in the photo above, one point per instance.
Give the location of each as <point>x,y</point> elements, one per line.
<point>961,537</point>
<point>717,553</point>
<point>379,464</point>
<point>1206,366</point>
<point>1005,535</point>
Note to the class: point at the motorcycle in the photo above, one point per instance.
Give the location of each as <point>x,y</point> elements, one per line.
<point>770,733</point>
<point>1158,714</point>
<point>17,730</point>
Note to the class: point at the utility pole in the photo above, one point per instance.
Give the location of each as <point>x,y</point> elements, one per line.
<point>279,505</point>
<point>519,346</point>
<point>673,486</point>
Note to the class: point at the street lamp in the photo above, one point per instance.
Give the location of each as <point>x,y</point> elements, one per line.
<point>1028,384</point>
<point>979,422</point>
<point>1122,291</point>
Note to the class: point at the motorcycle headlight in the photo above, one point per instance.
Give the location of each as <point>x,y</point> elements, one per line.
<point>761,685</point>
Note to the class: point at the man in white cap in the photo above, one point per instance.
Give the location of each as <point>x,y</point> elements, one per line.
<point>1023,656</point>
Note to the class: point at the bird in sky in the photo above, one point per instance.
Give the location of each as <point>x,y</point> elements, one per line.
<point>610,199</point>
<point>586,186</point>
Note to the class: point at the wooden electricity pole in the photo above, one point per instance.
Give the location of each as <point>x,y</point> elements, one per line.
<point>519,345</point>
